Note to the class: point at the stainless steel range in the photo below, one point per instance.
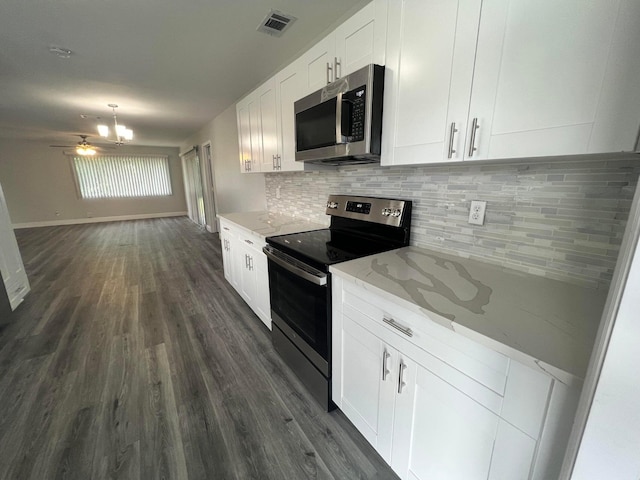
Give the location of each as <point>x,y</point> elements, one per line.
<point>300,284</point>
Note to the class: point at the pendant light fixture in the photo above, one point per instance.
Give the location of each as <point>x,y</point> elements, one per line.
<point>120,134</point>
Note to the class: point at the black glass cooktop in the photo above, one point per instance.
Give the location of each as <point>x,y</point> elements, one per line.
<point>326,247</point>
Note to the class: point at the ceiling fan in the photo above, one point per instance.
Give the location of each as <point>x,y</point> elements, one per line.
<point>82,147</point>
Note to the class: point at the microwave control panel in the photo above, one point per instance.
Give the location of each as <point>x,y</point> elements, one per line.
<point>355,101</point>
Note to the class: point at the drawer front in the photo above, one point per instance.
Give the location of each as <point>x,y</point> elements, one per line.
<point>251,241</point>
<point>483,365</point>
<point>453,376</point>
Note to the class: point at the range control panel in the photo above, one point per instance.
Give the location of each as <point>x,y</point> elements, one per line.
<point>385,211</point>
<point>358,207</point>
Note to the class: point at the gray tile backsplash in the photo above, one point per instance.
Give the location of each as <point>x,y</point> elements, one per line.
<point>560,219</point>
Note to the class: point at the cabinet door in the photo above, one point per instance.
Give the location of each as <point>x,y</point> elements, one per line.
<point>367,380</point>
<point>255,132</point>
<point>289,87</point>
<point>244,134</point>
<point>360,40</point>
<point>247,276</point>
<point>430,55</point>
<point>539,74</point>
<point>11,267</point>
<point>230,256</point>
<point>268,126</point>
<point>439,432</point>
<point>317,65</point>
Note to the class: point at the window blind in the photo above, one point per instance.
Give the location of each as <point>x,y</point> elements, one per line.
<point>118,176</point>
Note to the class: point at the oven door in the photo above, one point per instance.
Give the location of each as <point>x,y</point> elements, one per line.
<point>301,306</point>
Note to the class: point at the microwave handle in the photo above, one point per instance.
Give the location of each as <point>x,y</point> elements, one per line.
<point>339,119</point>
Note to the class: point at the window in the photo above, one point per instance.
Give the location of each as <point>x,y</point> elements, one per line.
<point>118,176</point>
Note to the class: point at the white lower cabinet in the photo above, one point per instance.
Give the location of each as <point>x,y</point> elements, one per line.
<point>438,406</point>
<point>245,268</point>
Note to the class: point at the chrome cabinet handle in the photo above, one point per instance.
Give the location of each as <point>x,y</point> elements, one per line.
<point>250,263</point>
<point>472,142</point>
<point>406,330</point>
<point>279,162</point>
<point>246,262</point>
<point>249,242</point>
<point>225,228</point>
<point>452,134</point>
<point>385,371</point>
<point>401,382</point>
<point>336,63</point>
<point>329,69</point>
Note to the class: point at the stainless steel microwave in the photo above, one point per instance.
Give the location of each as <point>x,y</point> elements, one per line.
<point>342,123</point>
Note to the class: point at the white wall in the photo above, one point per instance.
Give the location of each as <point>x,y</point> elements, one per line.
<point>235,191</point>
<point>38,182</point>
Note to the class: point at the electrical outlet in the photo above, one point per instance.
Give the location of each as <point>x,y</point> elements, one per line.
<point>476,212</point>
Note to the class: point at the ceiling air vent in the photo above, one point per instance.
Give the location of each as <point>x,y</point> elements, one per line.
<point>275,23</point>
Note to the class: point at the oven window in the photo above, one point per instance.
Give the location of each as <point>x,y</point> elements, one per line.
<point>302,305</point>
<point>316,126</point>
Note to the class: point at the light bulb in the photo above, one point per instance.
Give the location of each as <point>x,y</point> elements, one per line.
<point>103,130</point>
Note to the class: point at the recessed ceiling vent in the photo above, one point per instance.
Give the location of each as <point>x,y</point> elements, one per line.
<point>275,23</point>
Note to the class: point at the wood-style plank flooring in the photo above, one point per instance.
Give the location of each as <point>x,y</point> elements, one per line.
<point>133,358</point>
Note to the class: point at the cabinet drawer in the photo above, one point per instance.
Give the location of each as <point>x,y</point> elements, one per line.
<point>453,376</point>
<point>481,364</point>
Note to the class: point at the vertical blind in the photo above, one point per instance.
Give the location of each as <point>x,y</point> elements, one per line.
<point>117,176</point>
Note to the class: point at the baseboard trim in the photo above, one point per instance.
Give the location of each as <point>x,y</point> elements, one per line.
<point>78,221</point>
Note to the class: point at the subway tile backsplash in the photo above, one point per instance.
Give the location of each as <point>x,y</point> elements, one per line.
<point>560,219</point>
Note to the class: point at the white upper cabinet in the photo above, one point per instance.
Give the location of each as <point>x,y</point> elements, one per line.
<point>317,65</point>
<point>547,79</point>
<point>289,86</point>
<point>430,53</point>
<point>244,134</point>
<point>358,42</point>
<point>257,131</point>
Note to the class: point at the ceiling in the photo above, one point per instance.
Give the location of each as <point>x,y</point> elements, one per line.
<point>171,66</point>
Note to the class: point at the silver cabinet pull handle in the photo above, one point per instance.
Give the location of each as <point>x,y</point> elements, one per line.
<point>406,330</point>
<point>246,261</point>
<point>249,242</point>
<point>472,142</point>
<point>251,263</point>
<point>385,371</point>
<point>452,134</point>
<point>336,63</point>
<point>401,382</point>
<point>329,69</point>
<point>279,162</point>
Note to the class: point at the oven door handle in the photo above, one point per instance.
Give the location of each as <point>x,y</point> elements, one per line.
<point>295,266</point>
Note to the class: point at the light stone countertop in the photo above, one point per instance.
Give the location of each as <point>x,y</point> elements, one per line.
<point>268,224</point>
<point>543,323</point>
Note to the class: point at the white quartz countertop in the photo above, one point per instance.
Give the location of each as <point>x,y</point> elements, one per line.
<point>544,323</point>
<point>268,224</point>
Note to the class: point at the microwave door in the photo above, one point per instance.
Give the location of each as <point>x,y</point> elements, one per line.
<point>316,126</point>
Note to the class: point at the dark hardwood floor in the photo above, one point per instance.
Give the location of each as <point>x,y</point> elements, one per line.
<point>133,358</point>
